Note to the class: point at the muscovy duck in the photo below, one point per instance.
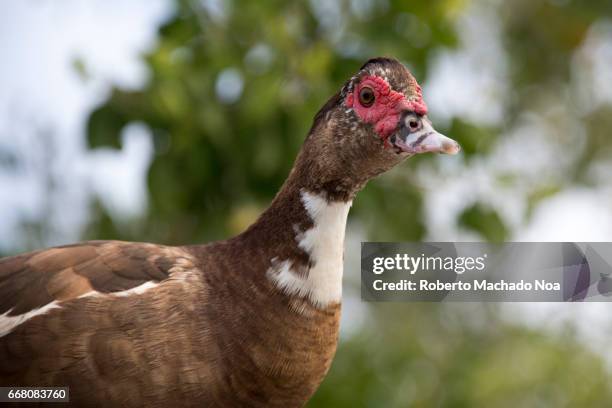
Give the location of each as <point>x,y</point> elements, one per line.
<point>250,321</point>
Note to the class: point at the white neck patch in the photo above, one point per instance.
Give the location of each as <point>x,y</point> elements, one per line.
<point>324,242</point>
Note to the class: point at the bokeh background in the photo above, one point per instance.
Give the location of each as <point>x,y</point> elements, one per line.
<point>177,121</point>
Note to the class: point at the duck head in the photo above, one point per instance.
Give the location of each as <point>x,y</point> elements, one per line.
<point>377,120</point>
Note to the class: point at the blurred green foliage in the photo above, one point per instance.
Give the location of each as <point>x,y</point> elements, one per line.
<point>484,220</point>
<point>423,355</point>
<point>232,90</point>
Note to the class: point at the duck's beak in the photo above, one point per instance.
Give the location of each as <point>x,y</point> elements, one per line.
<point>424,140</point>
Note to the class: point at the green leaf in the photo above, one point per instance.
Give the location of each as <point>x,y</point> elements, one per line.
<point>104,127</point>
<point>485,221</point>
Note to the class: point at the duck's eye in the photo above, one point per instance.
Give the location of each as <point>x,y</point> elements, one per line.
<point>366,96</point>
<point>412,122</point>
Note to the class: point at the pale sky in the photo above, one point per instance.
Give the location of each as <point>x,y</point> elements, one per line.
<point>41,90</point>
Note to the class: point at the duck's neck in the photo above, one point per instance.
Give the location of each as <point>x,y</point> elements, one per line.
<point>302,235</point>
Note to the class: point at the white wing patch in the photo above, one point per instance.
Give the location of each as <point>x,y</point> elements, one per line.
<point>142,288</point>
<point>324,242</point>
<point>8,323</point>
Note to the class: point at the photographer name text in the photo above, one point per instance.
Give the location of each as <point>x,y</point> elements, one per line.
<point>479,285</point>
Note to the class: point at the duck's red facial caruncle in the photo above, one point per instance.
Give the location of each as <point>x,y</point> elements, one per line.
<point>376,103</point>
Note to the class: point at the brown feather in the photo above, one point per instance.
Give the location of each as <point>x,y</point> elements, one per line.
<point>33,280</point>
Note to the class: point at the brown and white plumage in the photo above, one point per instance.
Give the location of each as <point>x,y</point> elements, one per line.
<point>33,280</point>
<point>251,321</point>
